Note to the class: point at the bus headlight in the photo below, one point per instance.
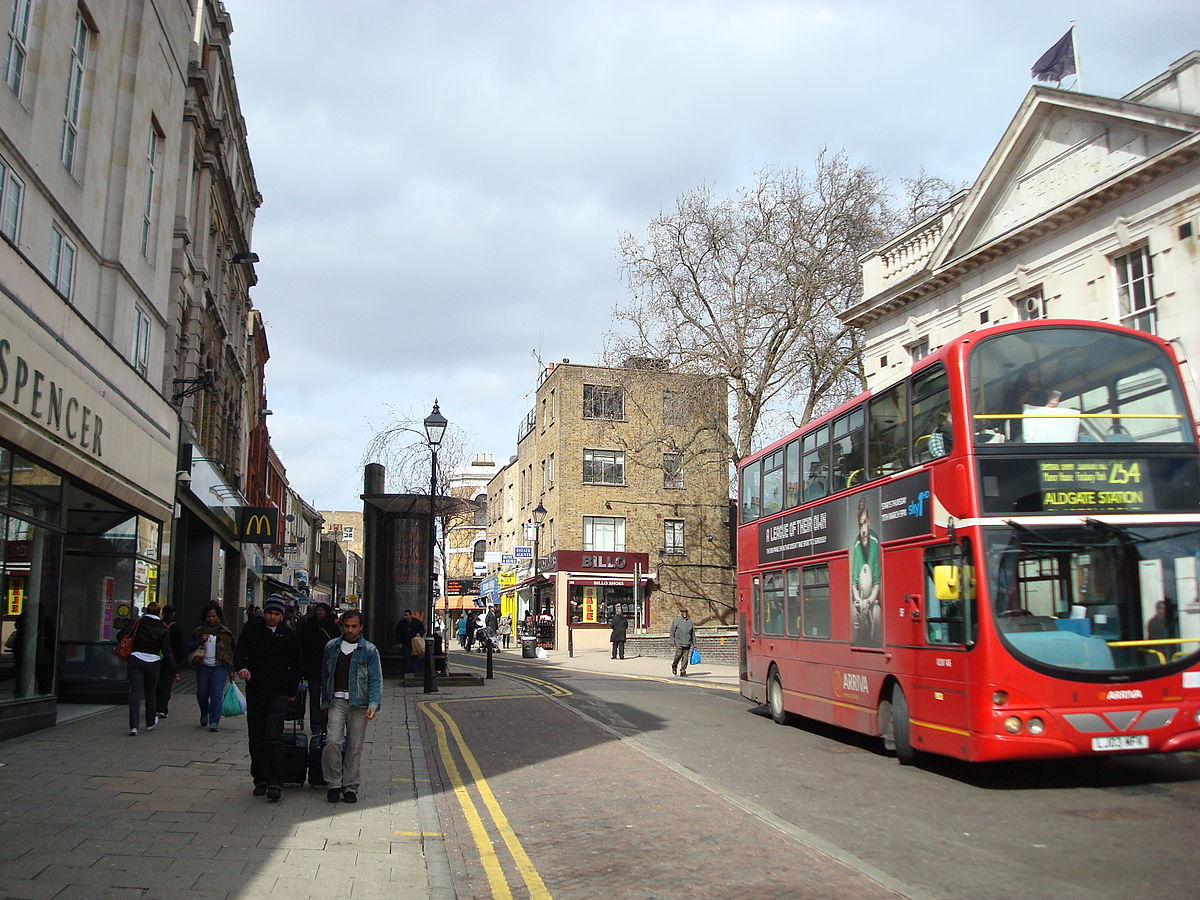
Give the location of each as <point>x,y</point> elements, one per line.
<point>1035,726</point>
<point>1012,725</point>
<point>999,698</point>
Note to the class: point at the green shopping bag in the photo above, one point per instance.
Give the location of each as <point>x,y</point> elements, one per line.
<point>234,703</point>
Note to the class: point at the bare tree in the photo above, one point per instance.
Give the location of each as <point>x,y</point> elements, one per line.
<point>749,288</point>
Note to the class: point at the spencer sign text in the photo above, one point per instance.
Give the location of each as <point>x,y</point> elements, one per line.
<point>30,392</point>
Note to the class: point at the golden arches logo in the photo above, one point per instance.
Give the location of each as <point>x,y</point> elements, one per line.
<point>258,525</point>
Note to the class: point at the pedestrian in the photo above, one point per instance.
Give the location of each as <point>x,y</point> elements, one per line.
<point>683,638</point>
<point>460,631</point>
<point>620,625</point>
<point>213,653</point>
<point>408,628</point>
<point>505,629</point>
<point>491,619</point>
<point>318,629</point>
<point>268,659</point>
<point>151,646</point>
<point>472,627</point>
<point>351,692</point>
<point>168,676</point>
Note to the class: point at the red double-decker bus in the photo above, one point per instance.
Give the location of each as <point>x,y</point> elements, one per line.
<point>995,558</point>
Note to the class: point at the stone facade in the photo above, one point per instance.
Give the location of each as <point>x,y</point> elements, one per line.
<point>1082,196</point>
<point>626,463</point>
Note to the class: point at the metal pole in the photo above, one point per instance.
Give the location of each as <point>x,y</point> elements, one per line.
<point>489,659</point>
<point>430,683</point>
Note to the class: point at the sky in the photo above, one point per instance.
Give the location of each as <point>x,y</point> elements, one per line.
<point>445,183</point>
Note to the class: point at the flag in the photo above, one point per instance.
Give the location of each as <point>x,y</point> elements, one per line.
<point>1058,62</point>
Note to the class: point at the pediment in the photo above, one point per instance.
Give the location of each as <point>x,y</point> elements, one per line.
<point>1058,147</point>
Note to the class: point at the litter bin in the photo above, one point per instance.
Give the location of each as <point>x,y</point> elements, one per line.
<point>528,647</point>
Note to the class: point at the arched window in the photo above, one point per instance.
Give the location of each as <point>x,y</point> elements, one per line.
<point>480,547</point>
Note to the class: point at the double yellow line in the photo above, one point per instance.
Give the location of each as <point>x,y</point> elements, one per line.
<point>446,728</point>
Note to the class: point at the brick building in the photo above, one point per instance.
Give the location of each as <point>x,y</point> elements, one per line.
<point>628,466</point>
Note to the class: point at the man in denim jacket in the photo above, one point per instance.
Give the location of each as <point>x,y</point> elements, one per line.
<point>351,693</point>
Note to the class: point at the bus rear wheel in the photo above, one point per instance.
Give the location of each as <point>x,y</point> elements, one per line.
<point>775,699</point>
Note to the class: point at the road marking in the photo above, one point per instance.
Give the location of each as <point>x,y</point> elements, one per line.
<point>529,874</point>
<point>421,834</point>
<point>487,854</point>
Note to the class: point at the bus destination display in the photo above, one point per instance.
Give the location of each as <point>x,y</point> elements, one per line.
<point>1094,485</point>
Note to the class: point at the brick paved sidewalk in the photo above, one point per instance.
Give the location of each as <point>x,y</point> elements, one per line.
<point>87,811</point>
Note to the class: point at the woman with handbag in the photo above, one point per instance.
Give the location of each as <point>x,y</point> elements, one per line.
<point>149,648</point>
<point>213,660</point>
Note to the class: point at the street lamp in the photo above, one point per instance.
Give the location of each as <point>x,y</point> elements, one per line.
<point>539,516</point>
<point>435,428</point>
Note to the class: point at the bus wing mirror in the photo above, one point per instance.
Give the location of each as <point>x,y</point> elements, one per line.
<point>945,582</point>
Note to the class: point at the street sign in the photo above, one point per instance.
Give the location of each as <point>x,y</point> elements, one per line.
<point>493,557</point>
<point>480,568</point>
<point>523,552</point>
<point>507,559</point>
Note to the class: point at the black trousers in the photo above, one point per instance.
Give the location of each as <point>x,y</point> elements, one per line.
<point>166,684</point>
<point>264,729</point>
<point>618,649</point>
<point>143,688</point>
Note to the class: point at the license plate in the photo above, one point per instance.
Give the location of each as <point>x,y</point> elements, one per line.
<point>1122,742</point>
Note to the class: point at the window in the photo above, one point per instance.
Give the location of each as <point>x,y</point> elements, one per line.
<point>62,262</point>
<point>847,450</point>
<point>816,601</point>
<point>12,192</point>
<point>17,49</point>
<point>600,402</point>
<point>772,602</point>
<point>793,489</point>
<point>945,617</point>
<point>1031,305</point>
<point>1135,290</point>
<point>152,151</point>
<point>141,340</point>
<point>480,549</point>
<point>815,464</point>
<point>919,350</point>
<point>70,132</point>
<point>888,452</point>
<point>792,611</point>
<point>751,492</point>
<point>673,537</point>
<point>672,470</point>
<point>481,511</point>
<point>603,467</point>
<point>772,481</point>
<point>550,471</point>
<point>932,435</point>
<point>756,605</point>
<point>347,532</point>
<point>605,533</point>
<point>674,408</point>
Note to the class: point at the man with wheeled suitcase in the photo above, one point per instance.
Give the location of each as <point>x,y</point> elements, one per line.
<point>351,694</point>
<point>267,658</point>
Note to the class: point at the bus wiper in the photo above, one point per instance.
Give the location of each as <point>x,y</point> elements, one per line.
<point>1132,537</point>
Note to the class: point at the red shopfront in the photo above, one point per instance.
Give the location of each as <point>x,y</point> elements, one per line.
<point>590,587</point>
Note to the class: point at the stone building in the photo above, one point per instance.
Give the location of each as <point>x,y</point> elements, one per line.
<point>1088,208</point>
<point>627,466</point>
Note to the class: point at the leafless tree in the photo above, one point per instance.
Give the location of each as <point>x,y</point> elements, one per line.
<point>749,288</point>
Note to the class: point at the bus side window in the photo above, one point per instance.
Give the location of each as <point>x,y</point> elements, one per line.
<point>932,431</point>
<point>888,415</point>
<point>848,450</point>
<point>948,587</point>
<point>756,605</point>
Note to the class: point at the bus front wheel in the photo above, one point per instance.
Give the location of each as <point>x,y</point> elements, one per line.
<point>775,699</point>
<point>901,728</point>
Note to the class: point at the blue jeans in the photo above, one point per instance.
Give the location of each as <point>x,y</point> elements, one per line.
<point>143,687</point>
<point>210,692</point>
<point>342,756</point>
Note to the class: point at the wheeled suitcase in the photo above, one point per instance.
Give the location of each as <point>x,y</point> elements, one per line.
<point>316,771</point>
<point>295,756</point>
<point>295,708</point>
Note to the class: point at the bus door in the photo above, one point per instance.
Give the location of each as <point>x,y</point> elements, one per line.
<point>947,618</point>
<point>751,657</point>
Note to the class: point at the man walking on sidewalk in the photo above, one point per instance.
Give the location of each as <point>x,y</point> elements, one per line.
<point>683,638</point>
<point>351,694</point>
<point>268,659</point>
<point>408,628</point>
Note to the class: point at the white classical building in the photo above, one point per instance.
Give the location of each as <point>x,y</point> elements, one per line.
<point>1088,208</point>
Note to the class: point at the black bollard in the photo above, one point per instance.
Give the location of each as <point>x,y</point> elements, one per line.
<point>489,665</point>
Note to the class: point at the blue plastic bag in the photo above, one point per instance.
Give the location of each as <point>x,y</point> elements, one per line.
<point>694,659</point>
<point>234,702</point>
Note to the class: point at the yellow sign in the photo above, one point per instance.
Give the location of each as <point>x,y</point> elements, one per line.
<point>506,579</point>
<point>15,601</point>
<point>589,604</point>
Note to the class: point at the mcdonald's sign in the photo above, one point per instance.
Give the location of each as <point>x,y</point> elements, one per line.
<point>258,524</point>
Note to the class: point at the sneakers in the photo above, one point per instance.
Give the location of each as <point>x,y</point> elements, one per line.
<point>150,727</point>
<point>133,732</point>
<point>259,790</point>
<point>274,793</point>
<point>349,797</point>
<point>212,727</point>
<point>674,671</point>
<point>162,715</point>
<point>333,795</point>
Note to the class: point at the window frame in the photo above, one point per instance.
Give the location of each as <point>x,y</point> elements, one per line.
<point>18,40</point>
<point>62,276</point>
<point>673,537</point>
<point>73,102</point>
<point>617,524</point>
<point>1132,289</point>
<point>672,465</point>
<point>12,201</point>
<point>152,154</point>
<point>596,468</point>
<point>141,340</point>
<point>604,402</point>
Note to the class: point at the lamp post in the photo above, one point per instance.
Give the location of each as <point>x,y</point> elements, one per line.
<point>435,427</point>
<point>539,516</point>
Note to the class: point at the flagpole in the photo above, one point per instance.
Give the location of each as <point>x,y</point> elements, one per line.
<point>1078,66</point>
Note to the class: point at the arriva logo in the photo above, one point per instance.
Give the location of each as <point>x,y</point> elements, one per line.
<point>1133,694</point>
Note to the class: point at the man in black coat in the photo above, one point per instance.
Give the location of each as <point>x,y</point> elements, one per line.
<point>620,625</point>
<point>269,660</point>
<point>170,670</point>
<point>317,629</point>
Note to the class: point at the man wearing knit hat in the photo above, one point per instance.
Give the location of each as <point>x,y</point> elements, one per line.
<point>268,659</point>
